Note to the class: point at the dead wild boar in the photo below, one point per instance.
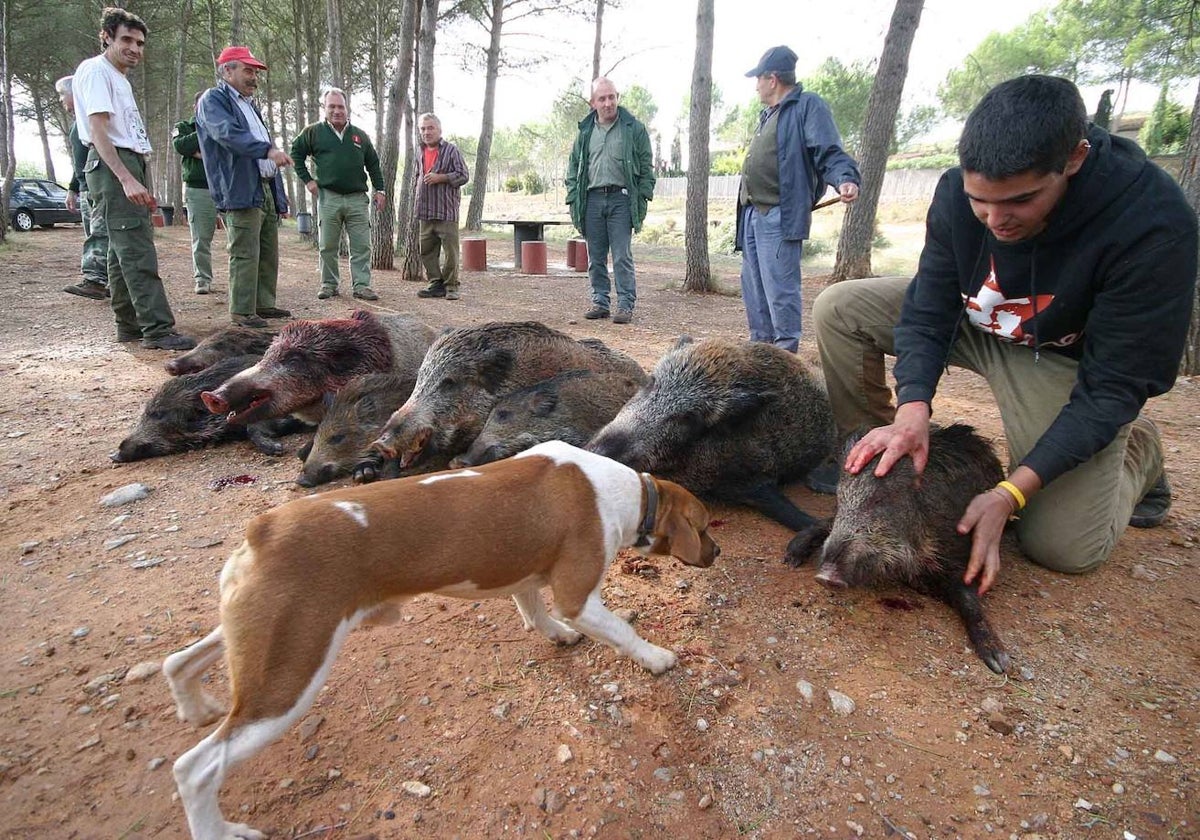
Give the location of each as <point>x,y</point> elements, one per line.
<point>353,419</point>
<point>225,343</point>
<point>728,420</point>
<point>570,407</point>
<point>463,375</point>
<point>176,420</point>
<point>312,358</point>
<point>902,529</point>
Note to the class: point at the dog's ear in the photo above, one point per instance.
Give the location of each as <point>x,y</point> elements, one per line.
<point>674,523</point>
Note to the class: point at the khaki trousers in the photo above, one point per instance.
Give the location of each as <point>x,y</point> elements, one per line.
<point>253,256</point>
<point>440,236</point>
<point>1072,524</point>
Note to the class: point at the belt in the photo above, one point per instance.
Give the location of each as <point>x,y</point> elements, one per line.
<point>608,189</point>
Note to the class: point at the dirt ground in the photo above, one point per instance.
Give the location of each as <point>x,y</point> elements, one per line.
<point>1096,733</point>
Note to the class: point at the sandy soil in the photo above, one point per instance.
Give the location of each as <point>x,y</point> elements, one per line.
<point>1094,735</point>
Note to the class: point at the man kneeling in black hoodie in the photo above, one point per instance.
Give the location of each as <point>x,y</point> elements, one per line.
<point>1059,264</point>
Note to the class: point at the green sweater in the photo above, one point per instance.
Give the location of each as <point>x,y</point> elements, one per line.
<point>187,144</point>
<point>342,165</point>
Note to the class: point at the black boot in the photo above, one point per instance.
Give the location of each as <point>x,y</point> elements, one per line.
<point>1152,509</point>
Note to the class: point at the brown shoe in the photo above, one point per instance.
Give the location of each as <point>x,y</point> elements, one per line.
<point>366,294</point>
<point>88,289</point>
<point>433,290</point>
<point>596,313</point>
<point>248,321</point>
<point>170,341</point>
<point>451,294</point>
<point>622,316</point>
<point>274,312</point>
<point>326,293</point>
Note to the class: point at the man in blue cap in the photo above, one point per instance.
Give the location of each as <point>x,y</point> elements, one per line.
<point>795,153</point>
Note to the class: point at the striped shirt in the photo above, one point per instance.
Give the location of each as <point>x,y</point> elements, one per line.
<point>439,202</point>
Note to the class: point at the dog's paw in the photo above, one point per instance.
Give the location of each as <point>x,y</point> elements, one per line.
<point>654,659</point>
<point>562,634</point>
<point>241,831</point>
<point>200,711</point>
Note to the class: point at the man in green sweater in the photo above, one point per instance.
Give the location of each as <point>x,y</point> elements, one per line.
<point>344,157</point>
<point>202,212</point>
<point>94,262</point>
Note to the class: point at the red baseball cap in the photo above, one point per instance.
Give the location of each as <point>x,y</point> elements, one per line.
<point>241,54</point>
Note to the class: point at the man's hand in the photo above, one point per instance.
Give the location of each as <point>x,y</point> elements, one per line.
<point>435,178</point>
<point>380,200</point>
<point>848,192</point>
<point>279,157</point>
<point>907,435</point>
<point>312,187</point>
<point>72,200</point>
<point>984,521</point>
<point>137,193</point>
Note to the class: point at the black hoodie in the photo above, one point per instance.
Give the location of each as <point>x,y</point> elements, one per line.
<point>1118,257</point>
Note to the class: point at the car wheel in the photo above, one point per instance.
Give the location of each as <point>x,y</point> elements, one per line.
<point>23,220</point>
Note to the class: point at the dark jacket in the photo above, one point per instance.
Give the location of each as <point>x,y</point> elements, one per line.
<point>1111,281</point>
<point>186,143</point>
<point>810,156</point>
<point>638,164</point>
<point>231,153</point>
<point>79,154</point>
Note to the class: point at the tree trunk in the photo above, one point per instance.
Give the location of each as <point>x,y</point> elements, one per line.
<point>235,22</point>
<point>333,26</point>
<point>301,204</point>
<point>183,102</point>
<point>697,275</point>
<point>410,226</point>
<point>40,116</point>
<point>858,229</point>
<point>1189,179</point>
<point>214,43</point>
<point>599,39</point>
<point>479,191</point>
<point>383,247</point>
<point>426,48</point>
<point>8,155</point>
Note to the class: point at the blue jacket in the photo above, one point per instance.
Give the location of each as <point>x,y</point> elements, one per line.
<point>231,153</point>
<point>810,156</point>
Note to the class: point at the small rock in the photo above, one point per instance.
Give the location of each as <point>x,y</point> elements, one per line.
<point>89,743</point>
<point>664,774</point>
<point>148,563</point>
<point>415,788</point>
<point>806,690</point>
<point>28,547</point>
<point>841,703</point>
<point>564,754</point>
<point>500,710</point>
<point>982,790</point>
<point>1026,673</point>
<point>117,542</point>
<point>155,763</point>
<point>1164,756</point>
<point>705,802</point>
<point>204,542</point>
<point>1068,751</point>
<point>611,688</point>
<point>1140,572</point>
<point>80,632</point>
<point>702,724</point>
<point>855,827</point>
<point>143,671</point>
<point>96,683</point>
<point>125,495</point>
<point>311,752</point>
<point>1083,805</point>
<point>555,802</point>
<point>1118,788</point>
<point>309,726</point>
<point>997,723</point>
<point>683,585</point>
<point>992,706</point>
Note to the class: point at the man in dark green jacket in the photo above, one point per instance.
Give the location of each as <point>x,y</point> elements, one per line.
<point>344,158</point>
<point>94,262</point>
<point>202,212</point>
<point>610,177</point>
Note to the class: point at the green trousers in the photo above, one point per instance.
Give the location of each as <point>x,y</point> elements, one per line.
<point>253,256</point>
<point>351,211</point>
<point>93,264</point>
<point>434,236</point>
<point>202,222</point>
<point>138,298</point>
<point>1073,523</point>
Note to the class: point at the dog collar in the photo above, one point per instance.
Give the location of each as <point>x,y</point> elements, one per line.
<point>647,526</point>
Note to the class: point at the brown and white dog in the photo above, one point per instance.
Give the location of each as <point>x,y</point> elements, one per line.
<point>311,570</point>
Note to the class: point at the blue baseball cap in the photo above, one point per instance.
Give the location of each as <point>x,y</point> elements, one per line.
<point>775,60</point>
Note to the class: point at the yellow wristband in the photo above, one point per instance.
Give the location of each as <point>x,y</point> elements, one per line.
<point>1015,492</point>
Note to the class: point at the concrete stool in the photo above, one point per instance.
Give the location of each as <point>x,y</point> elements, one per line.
<point>572,248</point>
<point>533,257</point>
<point>474,254</point>
<point>581,255</point>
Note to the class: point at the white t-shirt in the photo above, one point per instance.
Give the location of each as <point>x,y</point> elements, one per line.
<point>100,88</point>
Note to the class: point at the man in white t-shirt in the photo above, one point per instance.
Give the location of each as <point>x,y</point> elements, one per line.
<point>110,124</point>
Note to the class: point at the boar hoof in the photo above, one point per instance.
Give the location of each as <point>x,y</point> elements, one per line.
<point>805,543</point>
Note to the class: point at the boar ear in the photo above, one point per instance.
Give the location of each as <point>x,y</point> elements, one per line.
<point>742,401</point>
<point>495,367</point>
<point>541,403</point>
<point>683,341</point>
<point>327,399</point>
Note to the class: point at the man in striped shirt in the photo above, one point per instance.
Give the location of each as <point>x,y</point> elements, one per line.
<point>443,173</point>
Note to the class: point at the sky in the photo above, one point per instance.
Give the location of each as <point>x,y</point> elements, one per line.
<point>652,43</point>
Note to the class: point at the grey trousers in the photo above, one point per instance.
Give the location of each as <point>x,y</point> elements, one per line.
<point>1073,523</point>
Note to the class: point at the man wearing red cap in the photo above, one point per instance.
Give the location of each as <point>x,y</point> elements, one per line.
<point>242,166</point>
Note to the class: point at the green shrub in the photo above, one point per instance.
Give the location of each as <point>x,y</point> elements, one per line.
<point>512,184</point>
<point>533,183</point>
<point>939,160</point>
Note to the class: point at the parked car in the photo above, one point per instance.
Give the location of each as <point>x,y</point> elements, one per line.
<point>38,202</point>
